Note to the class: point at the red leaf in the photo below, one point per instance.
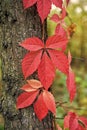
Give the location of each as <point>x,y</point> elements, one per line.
<point>32,44</point>
<point>28,3</point>
<point>61,31</point>
<point>58,3</point>
<point>66,121</point>
<point>80,127</point>
<point>60,60</point>
<point>30,63</point>
<point>59,18</point>
<point>49,101</point>
<point>46,71</point>
<point>55,18</point>
<point>35,83</point>
<point>40,107</point>
<point>83,120</point>
<point>32,85</point>
<point>71,85</point>
<point>28,88</point>
<point>56,42</point>
<point>71,121</point>
<point>43,7</point>
<point>26,99</point>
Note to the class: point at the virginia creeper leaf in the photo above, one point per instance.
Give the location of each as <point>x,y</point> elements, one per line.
<point>83,120</point>
<point>71,121</point>
<point>43,7</point>
<point>26,99</point>
<point>58,3</point>
<point>28,88</point>
<point>40,107</point>
<point>34,83</point>
<point>56,42</point>
<point>60,30</point>
<point>46,71</point>
<point>32,44</point>
<point>55,18</point>
<point>30,63</point>
<point>49,101</point>
<point>60,60</point>
<point>28,3</point>
<point>71,85</point>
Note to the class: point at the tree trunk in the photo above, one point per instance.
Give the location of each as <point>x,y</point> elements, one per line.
<point>16,24</point>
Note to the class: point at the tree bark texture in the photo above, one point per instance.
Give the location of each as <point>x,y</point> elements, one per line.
<point>16,24</point>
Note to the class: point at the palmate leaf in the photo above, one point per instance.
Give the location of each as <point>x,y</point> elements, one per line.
<point>44,100</point>
<point>73,122</point>
<point>44,103</point>
<point>43,6</point>
<point>46,71</point>
<point>45,58</point>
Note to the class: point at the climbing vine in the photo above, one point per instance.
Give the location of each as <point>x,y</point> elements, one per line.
<point>45,58</point>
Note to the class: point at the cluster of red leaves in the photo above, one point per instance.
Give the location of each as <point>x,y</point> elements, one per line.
<point>42,100</point>
<point>59,19</point>
<point>74,122</point>
<point>43,6</point>
<point>45,57</point>
<point>61,25</point>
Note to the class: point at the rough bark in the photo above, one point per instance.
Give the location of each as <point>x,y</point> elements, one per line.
<point>16,24</point>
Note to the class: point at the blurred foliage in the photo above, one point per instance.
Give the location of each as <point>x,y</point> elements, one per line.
<point>77,15</point>
<point>1,127</point>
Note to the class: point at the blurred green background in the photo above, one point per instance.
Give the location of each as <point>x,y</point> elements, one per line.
<point>77,11</point>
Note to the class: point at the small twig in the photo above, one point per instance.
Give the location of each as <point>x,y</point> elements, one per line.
<point>43,31</point>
